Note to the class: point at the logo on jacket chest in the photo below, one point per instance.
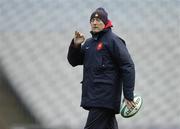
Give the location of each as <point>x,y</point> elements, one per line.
<point>99,46</point>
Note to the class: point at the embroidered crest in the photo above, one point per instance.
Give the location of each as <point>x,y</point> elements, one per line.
<point>99,46</point>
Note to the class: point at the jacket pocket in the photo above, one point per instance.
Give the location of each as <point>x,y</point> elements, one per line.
<point>102,89</point>
<point>103,81</point>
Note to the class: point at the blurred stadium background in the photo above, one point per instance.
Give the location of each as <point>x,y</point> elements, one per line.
<point>40,90</point>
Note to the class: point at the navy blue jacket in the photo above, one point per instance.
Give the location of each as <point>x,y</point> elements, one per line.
<point>107,69</point>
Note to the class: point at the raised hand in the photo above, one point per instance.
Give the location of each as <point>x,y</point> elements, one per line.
<point>78,38</point>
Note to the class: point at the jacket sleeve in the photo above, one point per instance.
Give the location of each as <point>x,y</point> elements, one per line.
<point>75,55</point>
<point>126,65</point>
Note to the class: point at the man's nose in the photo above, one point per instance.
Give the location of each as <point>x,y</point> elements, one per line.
<point>95,22</point>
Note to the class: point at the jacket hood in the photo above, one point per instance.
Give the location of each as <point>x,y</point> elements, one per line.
<point>108,25</point>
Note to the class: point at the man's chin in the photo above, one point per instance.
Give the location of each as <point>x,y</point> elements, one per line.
<point>95,31</point>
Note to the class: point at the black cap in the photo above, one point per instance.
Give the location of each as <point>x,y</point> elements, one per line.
<point>101,14</point>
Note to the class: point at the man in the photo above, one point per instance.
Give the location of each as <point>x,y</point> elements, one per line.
<point>107,69</point>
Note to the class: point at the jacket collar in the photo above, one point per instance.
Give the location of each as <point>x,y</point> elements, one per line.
<point>107,28</point>
<point>108,25</point>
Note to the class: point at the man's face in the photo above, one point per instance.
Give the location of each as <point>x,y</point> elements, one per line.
<point>96,25</point>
